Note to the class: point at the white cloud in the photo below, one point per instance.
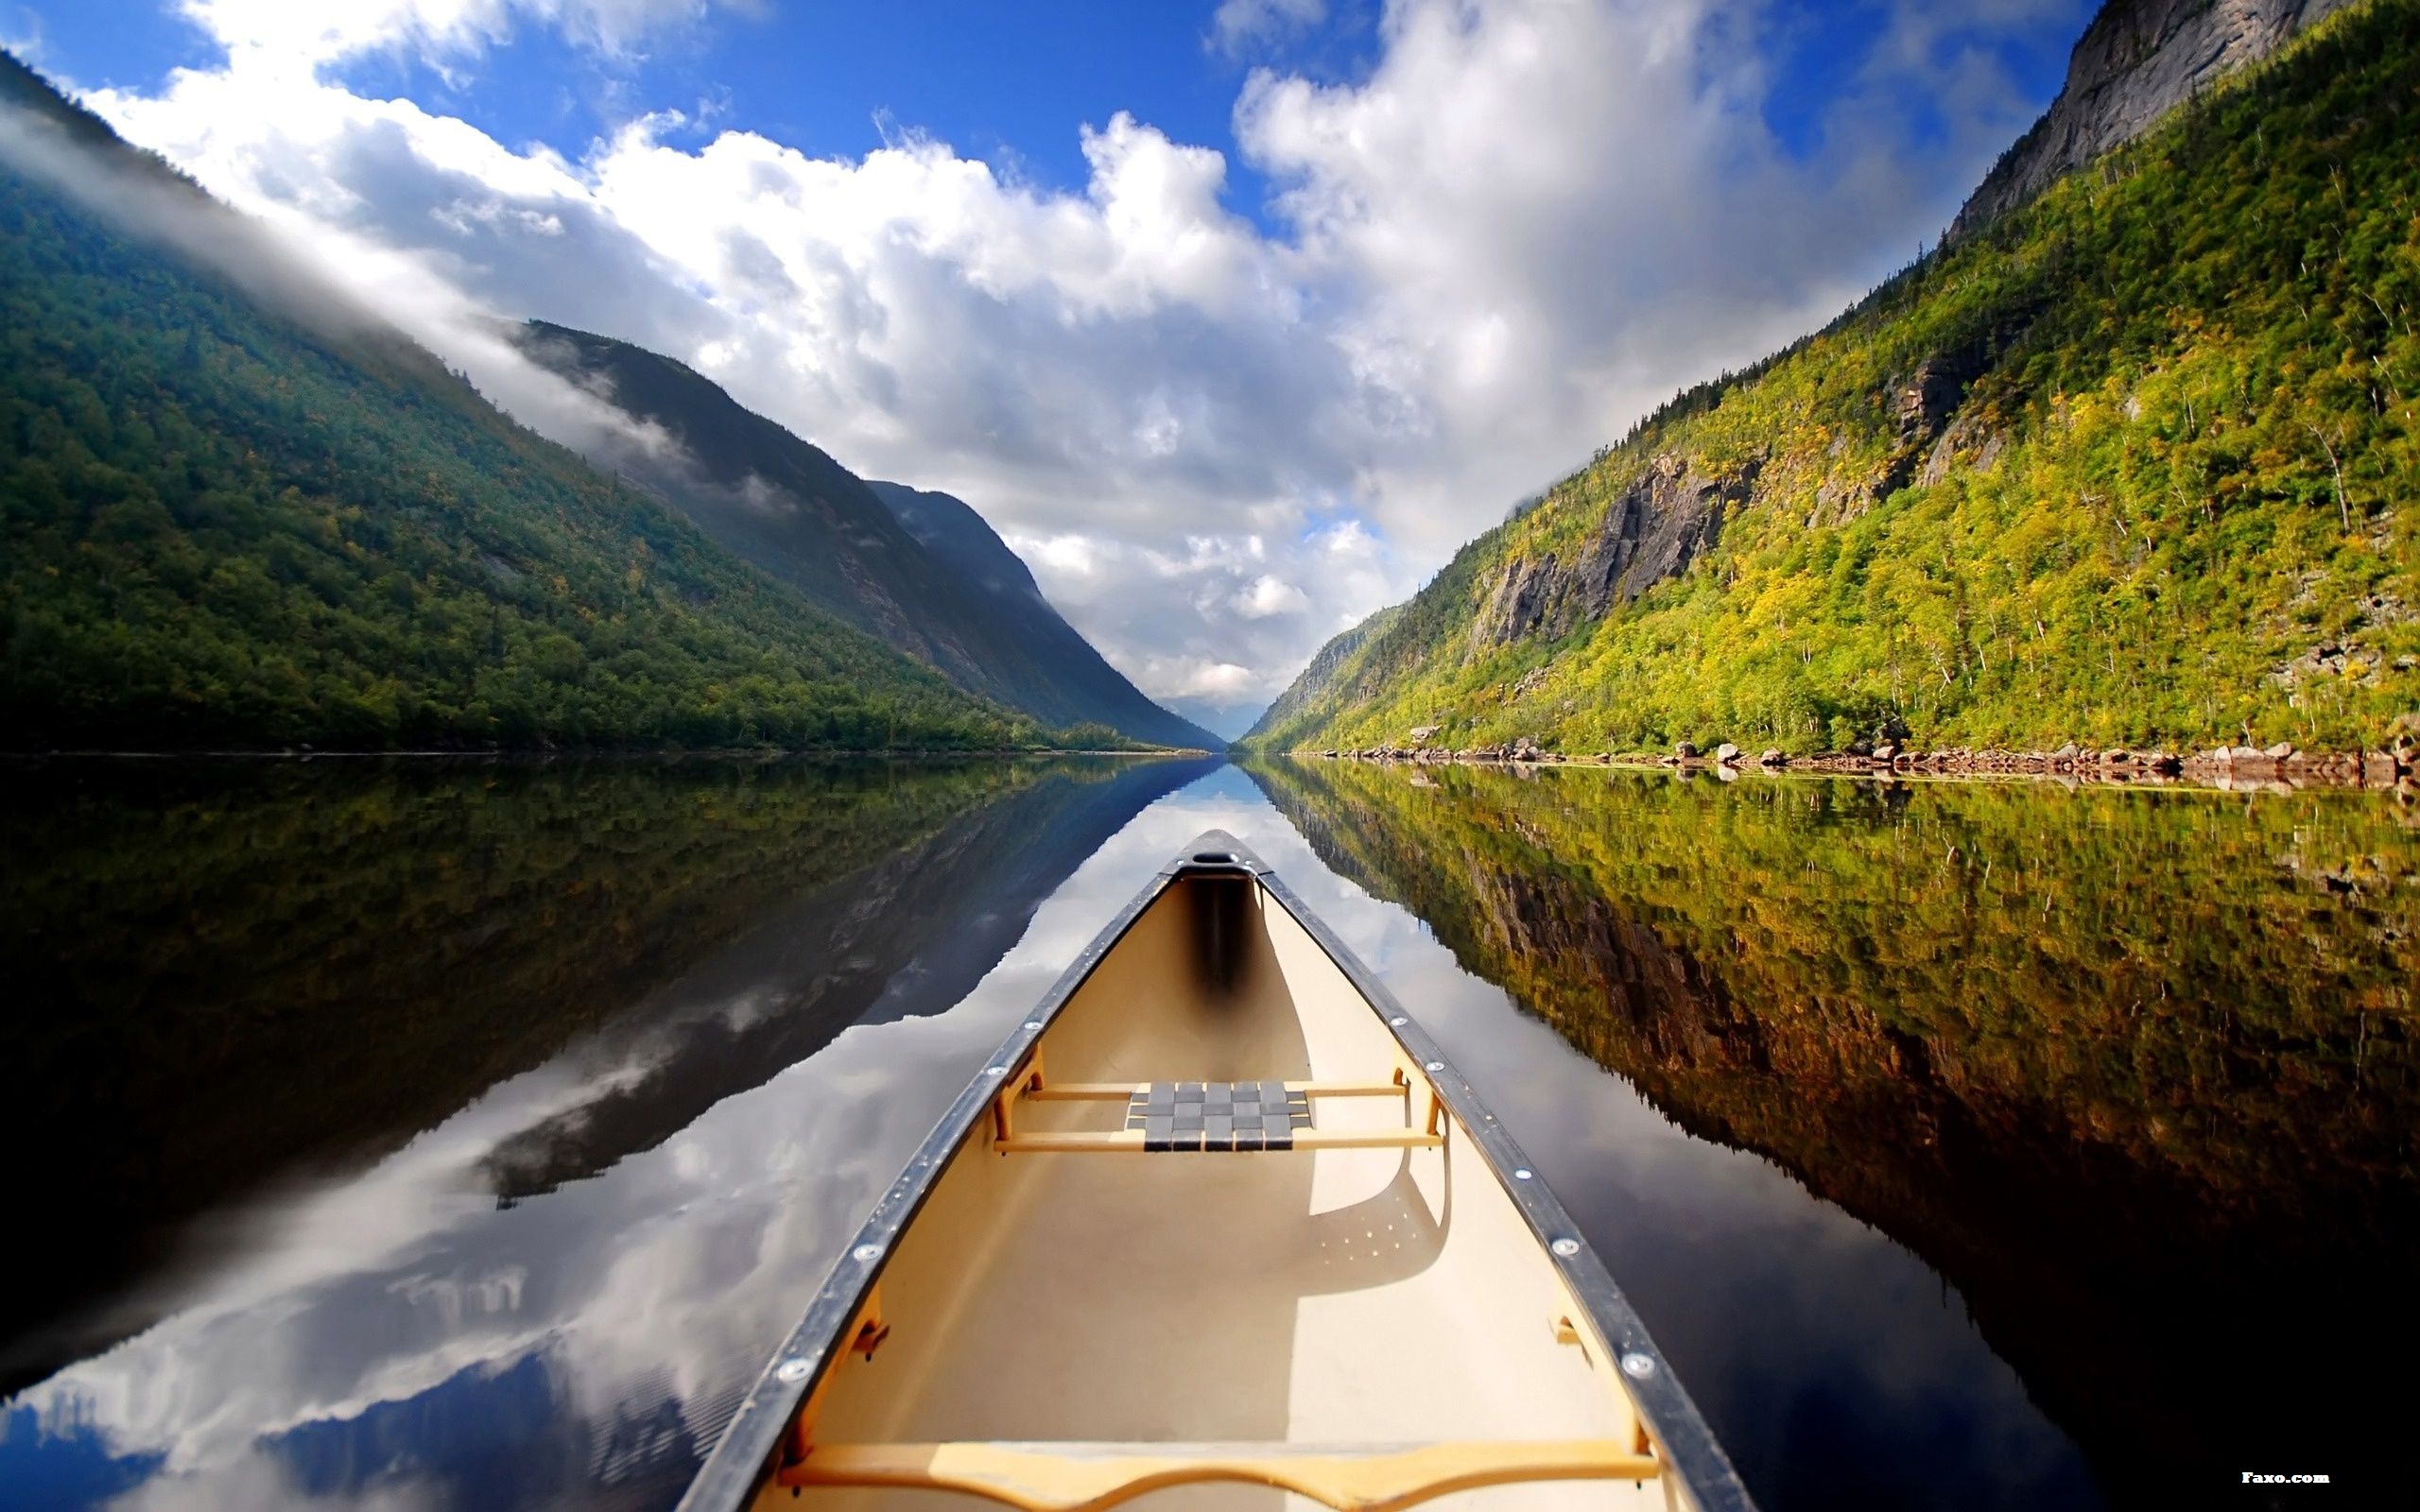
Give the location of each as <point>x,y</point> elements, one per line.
<point>1268,595</point>
<point>20,33</point>
<point>1241,25</point>
<point>1531,220</point>
<point>303,34</point>
<point>1215,680</point>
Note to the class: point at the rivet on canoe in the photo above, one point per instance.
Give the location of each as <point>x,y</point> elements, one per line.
<point>1033,1023</point>
<point>866,1254</point>
<point>996,1070</point>
<point>791,1372</point>
<point>1398,1020</point>
<point>1520,1176</point>
<point>1637,1366</point>
<point>1434,1065</point>
<point>1565,1247</point>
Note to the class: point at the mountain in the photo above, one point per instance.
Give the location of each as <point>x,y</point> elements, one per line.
<point>241,512</point>
<point>1300,700</point>
<point>2131,462</point>
<point>2135,63</point>
<point>1082,686</point>
<point>927,575</point>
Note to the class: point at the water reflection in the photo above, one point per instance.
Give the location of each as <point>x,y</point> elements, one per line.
<point>1776,966</point>
<point>249,973</point>
<point>2135,1072</point>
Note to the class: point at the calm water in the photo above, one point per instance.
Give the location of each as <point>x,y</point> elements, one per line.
<point>462,1136</point>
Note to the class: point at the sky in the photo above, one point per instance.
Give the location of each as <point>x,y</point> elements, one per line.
<point>1236,317</point>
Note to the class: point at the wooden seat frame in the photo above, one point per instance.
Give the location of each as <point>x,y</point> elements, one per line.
<point>1073,1477</point>
<point>1030,1087</point>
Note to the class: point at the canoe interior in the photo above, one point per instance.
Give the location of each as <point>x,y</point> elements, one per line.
<point>1388,1296</point>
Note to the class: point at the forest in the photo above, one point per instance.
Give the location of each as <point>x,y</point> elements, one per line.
<point>232,526</point>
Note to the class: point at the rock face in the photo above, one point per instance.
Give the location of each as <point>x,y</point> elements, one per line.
<point>2138,60</point>
<point>1655,530</point>
<point>1923,404</point>
<point>1324,670</point>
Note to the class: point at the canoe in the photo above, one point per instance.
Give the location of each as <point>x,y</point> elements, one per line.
<point>1218,1226</point>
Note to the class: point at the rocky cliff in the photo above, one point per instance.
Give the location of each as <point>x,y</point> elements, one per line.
<point>2138,60</point>
<point>1661,522</point>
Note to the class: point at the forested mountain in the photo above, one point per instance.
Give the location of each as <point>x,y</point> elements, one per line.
<point>240,512</point>
<point>2131,462</point>
<point>1082,685</point>
<point>922,572</point>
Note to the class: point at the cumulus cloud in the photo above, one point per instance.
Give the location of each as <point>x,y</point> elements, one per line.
<point>1530,221</point>
<point>1268,595</point>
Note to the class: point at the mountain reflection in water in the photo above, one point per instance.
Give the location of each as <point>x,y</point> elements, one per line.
<point>277,969</point>
<point>462,1136</point>
<point>2135,1072</point>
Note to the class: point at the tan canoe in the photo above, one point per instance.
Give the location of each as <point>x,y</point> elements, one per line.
<point>1217,1228</point>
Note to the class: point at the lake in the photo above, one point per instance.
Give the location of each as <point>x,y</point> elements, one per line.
<point>464,1134</point>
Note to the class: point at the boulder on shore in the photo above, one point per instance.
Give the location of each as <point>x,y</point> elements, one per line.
<point>1726,753</point>
<point>1772,757</point>
<point>1685,750</point>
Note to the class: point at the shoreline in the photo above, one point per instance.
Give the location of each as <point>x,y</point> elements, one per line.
<point>2228,769</point>
<point>525,753</point>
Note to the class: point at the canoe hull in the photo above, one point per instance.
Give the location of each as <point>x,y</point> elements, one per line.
<point>1077,1273</point>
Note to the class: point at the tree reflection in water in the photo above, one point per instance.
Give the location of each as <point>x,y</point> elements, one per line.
<point>2134,1071</point>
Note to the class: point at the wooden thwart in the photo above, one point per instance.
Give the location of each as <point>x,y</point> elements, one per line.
<point>1125,1140</point>
<point>1091,1477</point>
<point>1119,1092</point>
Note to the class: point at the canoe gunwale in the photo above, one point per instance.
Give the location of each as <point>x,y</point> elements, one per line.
<point>747,1452</point>
<point>1695,1456</point>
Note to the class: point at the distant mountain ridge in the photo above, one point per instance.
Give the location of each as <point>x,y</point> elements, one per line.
<point>921,571</point>
<point>1084,686</point>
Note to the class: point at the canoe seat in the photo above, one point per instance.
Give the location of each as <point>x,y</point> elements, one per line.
<point>1245,1116</point>
<point>1217,1115</point>
<point>1056,1477</point>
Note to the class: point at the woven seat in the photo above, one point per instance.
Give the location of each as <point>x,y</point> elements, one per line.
<point>1219,1115</point>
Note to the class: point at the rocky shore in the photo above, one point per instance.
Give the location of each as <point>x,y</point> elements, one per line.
<point>2395,767</point>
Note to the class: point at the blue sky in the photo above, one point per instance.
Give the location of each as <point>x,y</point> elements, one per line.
<point>1236,317</point>
<point>1003,83</point>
